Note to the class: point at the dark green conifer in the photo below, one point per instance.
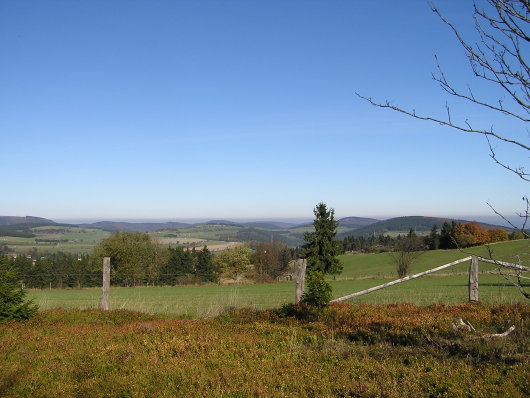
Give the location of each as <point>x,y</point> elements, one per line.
<point>321,251</point>
<point>12,297</point>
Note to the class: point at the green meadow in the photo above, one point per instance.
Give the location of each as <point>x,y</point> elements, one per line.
<point>360,272</point>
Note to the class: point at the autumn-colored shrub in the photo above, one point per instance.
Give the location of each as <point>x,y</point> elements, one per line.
<point>497,235</point>
<point>470,234</point>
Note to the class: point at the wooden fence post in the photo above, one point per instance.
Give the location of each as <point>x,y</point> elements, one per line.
<point>300,278</point>
<point>106,284</point>
<point>473,279</point>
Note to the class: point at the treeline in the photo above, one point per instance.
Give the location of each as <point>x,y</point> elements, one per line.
<point>188,266</point>
<point>55,271</point>
<point>42,240</point>
<point>138,261</point>
<point>452,235</point>
<point>16,231</point>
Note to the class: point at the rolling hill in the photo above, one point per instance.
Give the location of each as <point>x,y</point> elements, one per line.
<point>402,224</point>
<point>20,228</point>
<point>115,226</point>
<point>356,222</point>
<point>13,220</point>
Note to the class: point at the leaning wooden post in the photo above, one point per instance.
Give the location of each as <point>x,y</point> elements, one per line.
<point>106,284</point>
<point>473,279</point>
<point>300,278</point>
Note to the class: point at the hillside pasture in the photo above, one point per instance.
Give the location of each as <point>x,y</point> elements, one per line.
<point>206,232</point>
<point>360,272</point>
<point>52,239</point>
<point>380,265</point>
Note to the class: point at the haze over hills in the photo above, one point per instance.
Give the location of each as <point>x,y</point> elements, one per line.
<point>14,220</point>
<point>417,223</point>
<point>32,233</point>
<point>357,222</point>
<point>348,225</point>
<point>114,226</point>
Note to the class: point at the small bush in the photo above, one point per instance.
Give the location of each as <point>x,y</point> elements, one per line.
<point>12,304</point>
<point>300,311</point>
<point>318,291</point>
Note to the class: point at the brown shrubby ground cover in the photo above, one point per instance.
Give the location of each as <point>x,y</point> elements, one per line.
<point>347,350</point>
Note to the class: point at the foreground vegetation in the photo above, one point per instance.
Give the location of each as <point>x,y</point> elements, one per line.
<point>356,350</point>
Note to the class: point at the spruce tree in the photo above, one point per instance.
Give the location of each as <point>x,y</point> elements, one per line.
<point>12,298</point>
<point>433,239</point>
<point>172,269</point>
<point>321,251</point>
<point>447,237</point>
<point>320,247</point>
<point>205,269</point>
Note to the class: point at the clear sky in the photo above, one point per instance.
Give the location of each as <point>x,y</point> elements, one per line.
<point>239,109</point>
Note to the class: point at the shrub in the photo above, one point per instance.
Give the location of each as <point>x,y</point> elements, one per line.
<point>318,291</point>
<point>12,304</point>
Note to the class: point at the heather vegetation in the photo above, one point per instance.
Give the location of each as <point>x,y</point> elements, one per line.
<point>347,350</point>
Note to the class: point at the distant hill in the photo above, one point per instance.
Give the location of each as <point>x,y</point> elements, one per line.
<point>399,224</point>
<point>290,233</point>
<point>269,225</point>
<point>115,226</point>
<point>219,222</point>
<point>12,220</point>
<point>356,222</point>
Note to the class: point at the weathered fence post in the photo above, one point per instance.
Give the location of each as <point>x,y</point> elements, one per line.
<point>473,279</point>
<point>106,284</point>
<point>300,278</point>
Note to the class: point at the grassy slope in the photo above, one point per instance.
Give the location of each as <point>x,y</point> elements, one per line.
<point>365,265</point>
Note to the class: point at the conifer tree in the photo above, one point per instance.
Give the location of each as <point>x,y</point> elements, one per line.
<point>205,268</point>
<point>12,298</point>
<point>433,239</point>
<point>321,251</point>
<point>320,247</point>
<point>447,239</point>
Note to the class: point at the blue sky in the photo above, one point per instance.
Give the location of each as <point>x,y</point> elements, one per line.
<point>239,109</point>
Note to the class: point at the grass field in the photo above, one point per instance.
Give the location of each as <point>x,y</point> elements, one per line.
<point>206,232</point>
<point>71,240</point>
<point>74,240</point>
<point>205,301</point>
<point>360,272</point>
<point>380,265</point>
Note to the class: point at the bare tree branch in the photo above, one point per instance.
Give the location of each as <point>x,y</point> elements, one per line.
<point>467,129</point>
<point>499,58</point>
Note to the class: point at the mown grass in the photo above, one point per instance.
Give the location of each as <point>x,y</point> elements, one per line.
<point>349,350</point>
